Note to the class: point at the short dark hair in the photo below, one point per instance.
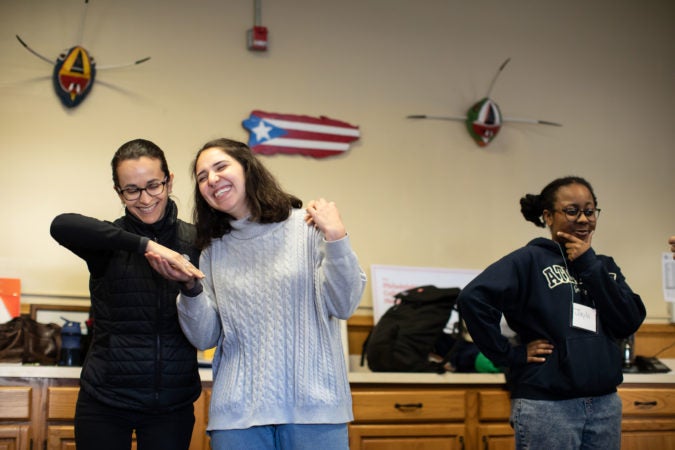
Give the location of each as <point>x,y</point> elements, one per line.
<point>532,206</point>
<point>267,201</point>
<point>135,149</point>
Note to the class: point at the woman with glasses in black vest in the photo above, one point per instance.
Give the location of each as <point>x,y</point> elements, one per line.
<point>140,373</point>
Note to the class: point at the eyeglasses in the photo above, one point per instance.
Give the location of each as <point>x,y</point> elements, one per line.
<point>572,213</point>
<point>153,189</point>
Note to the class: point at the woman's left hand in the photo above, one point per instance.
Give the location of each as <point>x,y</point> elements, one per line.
<point>574,246</point>
<point>325,216</point>
<point>171,264</point>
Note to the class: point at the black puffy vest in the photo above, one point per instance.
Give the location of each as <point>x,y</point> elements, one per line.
<point>139,358</point>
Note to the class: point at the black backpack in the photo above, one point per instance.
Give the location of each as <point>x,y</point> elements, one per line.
<point>410,330</point>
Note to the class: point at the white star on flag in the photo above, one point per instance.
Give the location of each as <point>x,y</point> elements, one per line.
<point>262,131</point>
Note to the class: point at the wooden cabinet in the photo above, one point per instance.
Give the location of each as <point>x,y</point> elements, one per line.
<point>648,407</point>
<point>426,419</point>
<point>60,433</point>
<point>15,417</point>
<point>38,413</point>
<point>60,413</point>
<point>469,417</point>
<point>493,431</point>
<point>429,418</point>
<point>407,405</point>
<point>648,417</point>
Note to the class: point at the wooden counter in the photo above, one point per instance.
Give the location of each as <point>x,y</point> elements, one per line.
<point>357,375</point>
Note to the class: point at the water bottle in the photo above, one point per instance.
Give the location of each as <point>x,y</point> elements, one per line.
<point>71,342</point>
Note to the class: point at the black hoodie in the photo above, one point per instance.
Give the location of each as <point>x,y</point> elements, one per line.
<point>534,287</point>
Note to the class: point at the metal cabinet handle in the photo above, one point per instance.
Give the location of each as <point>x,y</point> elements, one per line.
<point>402,406</point>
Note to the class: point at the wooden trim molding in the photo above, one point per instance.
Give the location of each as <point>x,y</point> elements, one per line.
<point>358,327</point>
<point>656,339</point>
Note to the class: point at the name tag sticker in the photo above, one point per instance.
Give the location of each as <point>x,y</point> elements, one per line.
<point>584,317</point>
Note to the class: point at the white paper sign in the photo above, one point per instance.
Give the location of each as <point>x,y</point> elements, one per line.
<point>387,281</point>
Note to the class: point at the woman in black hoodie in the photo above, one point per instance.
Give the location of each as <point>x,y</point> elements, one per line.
<point>569,307</point>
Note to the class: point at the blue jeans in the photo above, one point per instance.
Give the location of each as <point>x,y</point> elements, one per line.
<point>283,437</point>
<point>580,423</point>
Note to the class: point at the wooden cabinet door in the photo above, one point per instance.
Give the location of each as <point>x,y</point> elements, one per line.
<point>14,437</point>
<point>15,403</point>
<point>662,440</point>
<point>648,402</point>
<point>61,402</point>
<point>648,418</point>
<point>496,437</point>
<point>408,405</point>
<point>406,436</point>
<point>60,437</point>
<point>494,405</point>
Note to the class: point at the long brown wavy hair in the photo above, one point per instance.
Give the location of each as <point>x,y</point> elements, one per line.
<point>267,201</point>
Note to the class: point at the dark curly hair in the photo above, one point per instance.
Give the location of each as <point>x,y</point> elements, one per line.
<point>267,202</point>
<point>532,206</point>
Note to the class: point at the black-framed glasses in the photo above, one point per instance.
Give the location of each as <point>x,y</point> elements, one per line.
<point>572,213</point>
<point>154,188</point>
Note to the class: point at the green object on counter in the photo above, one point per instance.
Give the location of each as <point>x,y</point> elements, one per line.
<point>484,365</point>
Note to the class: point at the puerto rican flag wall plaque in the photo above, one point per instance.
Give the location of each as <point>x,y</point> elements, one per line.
<point>318,137</point>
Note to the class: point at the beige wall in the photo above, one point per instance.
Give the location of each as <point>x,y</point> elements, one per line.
<point>411,192</point>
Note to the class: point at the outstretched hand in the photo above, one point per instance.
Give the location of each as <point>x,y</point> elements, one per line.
<point>574,246</point>
<point>325,216</point>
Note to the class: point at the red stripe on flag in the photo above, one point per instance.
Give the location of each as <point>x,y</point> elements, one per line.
<point>310,136</point>
<point>273,149</point>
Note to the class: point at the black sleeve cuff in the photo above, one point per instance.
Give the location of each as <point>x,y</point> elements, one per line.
<point>195,291</point>
<point>143,244</point>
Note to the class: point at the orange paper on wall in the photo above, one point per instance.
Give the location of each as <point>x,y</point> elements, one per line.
<point>10,296</point>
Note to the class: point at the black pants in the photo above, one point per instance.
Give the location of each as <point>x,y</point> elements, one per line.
<point>100,427</point>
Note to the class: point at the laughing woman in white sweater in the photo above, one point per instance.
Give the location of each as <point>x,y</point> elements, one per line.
<point>277,279</point>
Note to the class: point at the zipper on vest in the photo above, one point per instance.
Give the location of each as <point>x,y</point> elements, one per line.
<point>158,339</point>
<point>158,346</point>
